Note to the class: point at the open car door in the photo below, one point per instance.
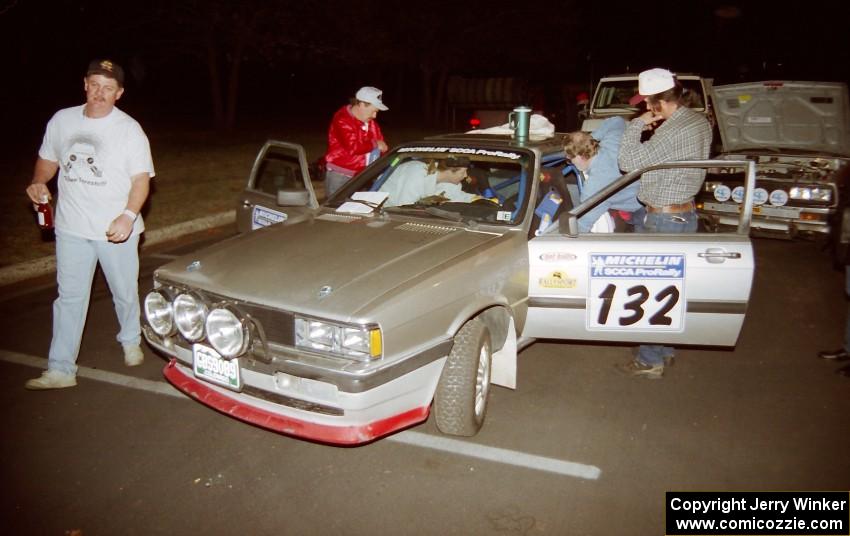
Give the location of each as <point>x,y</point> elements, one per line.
<point>645,288</point>
<point>278,189</point>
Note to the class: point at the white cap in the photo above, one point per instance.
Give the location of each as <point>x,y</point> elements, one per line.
<point>372,95</point>
<point>654,81</point>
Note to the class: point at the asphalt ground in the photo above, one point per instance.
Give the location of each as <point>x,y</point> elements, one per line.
<point>575,449</point>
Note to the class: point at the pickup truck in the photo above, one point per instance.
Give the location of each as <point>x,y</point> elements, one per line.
<point>612,95</point>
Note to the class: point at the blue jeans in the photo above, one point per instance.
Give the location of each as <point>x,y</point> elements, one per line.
<point>662,222</point>
<point>76,260</point>
<point>334,181</point>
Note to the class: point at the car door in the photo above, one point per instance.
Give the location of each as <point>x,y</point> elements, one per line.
<point>278,189</point>
<point>646,288</point>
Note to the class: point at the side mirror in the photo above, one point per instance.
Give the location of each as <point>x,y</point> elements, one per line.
<point>293,198</point>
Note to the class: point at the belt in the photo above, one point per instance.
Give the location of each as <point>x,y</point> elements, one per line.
<point>687,206</point>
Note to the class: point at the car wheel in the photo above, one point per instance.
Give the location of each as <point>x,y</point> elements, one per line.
<point>460,402</point>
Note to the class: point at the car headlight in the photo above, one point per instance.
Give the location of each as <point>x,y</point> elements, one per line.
<point>227,333</point>
<point>189,316</point>
<point>159,314</point>
<point>358,342</point>
<point>811,193</point>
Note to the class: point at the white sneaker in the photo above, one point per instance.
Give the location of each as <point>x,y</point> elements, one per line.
<point>51,379</point>
<point>133,355</point>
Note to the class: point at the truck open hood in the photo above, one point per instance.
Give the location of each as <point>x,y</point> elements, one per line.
<point>287,266</point>
<point>785,116</point>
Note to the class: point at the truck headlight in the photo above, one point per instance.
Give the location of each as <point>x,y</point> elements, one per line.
<point>227,333</point>
<point>358,342</point>
<point>811,193</point>
<point>159,314</point>
<point>189,315</point>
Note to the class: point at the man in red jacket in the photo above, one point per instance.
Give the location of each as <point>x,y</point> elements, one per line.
<point>354,138</point>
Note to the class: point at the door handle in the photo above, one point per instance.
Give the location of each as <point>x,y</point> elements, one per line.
<point>717,255</point>
<point>247,204</point>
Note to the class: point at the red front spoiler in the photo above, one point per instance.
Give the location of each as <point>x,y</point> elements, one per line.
<point>340,435</point>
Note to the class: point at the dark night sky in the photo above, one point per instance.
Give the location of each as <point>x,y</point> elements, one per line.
<point>306,58</point>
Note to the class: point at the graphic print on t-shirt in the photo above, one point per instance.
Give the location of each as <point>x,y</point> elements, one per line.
<point>80,161</point>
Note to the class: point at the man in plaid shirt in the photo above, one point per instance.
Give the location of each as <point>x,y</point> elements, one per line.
<point>668,194</point>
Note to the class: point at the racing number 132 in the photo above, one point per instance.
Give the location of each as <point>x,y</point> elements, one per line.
<point>668,297</point>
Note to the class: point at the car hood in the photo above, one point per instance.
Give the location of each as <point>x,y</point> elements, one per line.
<point>352,261</point>
<point>784,116</point>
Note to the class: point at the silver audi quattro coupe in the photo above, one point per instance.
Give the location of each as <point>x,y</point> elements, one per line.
<point>408,292</point>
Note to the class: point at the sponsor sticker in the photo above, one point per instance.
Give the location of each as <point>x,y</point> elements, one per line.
<point>557,256</point>
<point>636,292</point>
<point>263,217</point>
<point>462,150</point>
<point>557,279</point>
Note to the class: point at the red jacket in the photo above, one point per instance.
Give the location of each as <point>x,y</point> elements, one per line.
<point>350,141</point>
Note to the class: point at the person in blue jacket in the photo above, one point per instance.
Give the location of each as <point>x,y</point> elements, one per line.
<point>595,155</point>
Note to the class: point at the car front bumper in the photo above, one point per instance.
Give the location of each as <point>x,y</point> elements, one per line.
<point>311,409</point>
<point>786,221</point>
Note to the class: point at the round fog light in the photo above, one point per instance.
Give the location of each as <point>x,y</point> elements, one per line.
<point>159,314</point>
<point>226,332</point>
<point>189,315</point>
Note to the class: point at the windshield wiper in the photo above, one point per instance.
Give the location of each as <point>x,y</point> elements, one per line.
<point>375,207</point>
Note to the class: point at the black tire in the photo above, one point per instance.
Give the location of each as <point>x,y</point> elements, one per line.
<point>460,402</point>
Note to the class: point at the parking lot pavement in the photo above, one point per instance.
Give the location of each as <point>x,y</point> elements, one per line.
<point>118,454</point>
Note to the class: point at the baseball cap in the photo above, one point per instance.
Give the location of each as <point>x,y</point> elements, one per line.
<point>372,95</point>
<point>107,68</point>
<point>653,82</point>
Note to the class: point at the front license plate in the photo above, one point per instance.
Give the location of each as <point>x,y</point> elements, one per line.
<point>210,366</point>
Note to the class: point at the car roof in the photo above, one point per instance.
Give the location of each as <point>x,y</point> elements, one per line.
<point>550,144</point>
<point>634,76</point>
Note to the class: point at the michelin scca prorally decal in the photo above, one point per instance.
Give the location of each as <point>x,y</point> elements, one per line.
<point>636,292</point>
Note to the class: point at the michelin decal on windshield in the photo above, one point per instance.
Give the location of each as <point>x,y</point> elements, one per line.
<point>462,150</point>
<point>636,292</point>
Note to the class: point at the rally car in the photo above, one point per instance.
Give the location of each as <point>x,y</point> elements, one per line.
<point>348,321</point>
<point>798,134</point>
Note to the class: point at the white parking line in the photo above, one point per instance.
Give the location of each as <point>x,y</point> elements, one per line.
<point>416,439</point>
<point>160,388</point>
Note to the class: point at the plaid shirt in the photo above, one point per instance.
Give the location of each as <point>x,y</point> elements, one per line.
<point>686,135</point>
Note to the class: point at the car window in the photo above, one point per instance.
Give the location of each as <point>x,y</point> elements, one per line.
<point>616,94</point>
<point>461,183</point>
<point>279,169</point>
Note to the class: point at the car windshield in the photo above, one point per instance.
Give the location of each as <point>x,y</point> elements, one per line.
<point>447,182</point>
<point>615,94</point>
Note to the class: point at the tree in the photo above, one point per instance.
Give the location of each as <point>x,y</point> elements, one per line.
<point>223,35</point>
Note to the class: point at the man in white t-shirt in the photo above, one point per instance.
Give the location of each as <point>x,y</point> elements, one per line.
<point>104,167</point>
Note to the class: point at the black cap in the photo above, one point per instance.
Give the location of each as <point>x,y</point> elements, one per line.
<point>107,68</point>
